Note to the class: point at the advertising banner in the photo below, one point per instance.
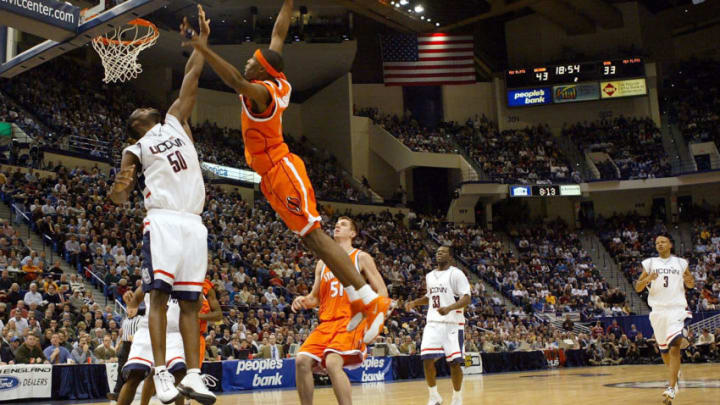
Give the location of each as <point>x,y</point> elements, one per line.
<point>25,381</point>
<point>520,191</point>
<point>55,13</point>
<point>623,88</point>
<point>527,97</point>
<point>570,93</point>
<point>373,369</point>
<point>240,375</point>
<point>233,173</point>
<point>473,364</point>
<point>112,374</point>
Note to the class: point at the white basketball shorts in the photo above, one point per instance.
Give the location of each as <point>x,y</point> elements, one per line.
<point>141,355</point>
<point>443,339</point>
<point>174,253</point>
<point>669,324</point>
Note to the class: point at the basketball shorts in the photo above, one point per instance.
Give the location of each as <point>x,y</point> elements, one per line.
<point>669,325</point>
<point>174,253</point>
<point>287,187</point>
<point>443,339</point>
<point>333,337</point>
<point>141,355</point>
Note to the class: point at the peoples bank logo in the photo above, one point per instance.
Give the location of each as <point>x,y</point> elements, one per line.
<point>663,384</point>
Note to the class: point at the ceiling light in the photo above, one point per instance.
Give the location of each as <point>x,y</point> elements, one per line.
<point>429,19</point>
<point>403,2</point>
<point>419,8</point>
<point>437,24</point>
<point>422,17</point>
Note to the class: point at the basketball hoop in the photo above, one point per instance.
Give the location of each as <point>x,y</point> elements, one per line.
<point>119,49</point>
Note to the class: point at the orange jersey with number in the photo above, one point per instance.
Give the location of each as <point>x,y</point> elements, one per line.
<point>334,303</point>
<point>205,308</point>
<point>262,133</point>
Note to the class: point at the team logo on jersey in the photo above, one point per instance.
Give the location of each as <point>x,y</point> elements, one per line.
<point>146,276</point>
<point>663,384</point>
<point>293,204</point>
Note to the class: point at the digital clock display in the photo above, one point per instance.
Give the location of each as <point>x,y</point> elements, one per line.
<point>566,190</point>
<point>574,72</point>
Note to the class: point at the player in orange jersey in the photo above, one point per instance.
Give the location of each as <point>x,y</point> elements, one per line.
<point>330,346</point>
<point>210,311</point>
<point>264,95</point>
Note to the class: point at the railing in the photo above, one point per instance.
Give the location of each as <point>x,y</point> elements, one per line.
<point>709,323</point>
<point>99,280</point>
<point>90,146</point>
<point>121,306</point>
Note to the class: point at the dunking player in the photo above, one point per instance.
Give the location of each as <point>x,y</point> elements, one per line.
<point>264,95</point>
<point>330,346</point>
<point>140,360</point>
<point>174,237</point>
<point>666,277</point>
<point>443,334</point>
<point>209,312</point>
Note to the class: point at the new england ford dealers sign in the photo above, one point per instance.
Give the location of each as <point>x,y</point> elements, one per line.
<point>25,381</point>
<point>527,97</point>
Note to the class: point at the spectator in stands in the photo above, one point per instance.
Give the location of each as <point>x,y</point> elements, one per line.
<point>106,352</point>
<point>82,353</point>
<point>55,353</point>
<point>33,296</point>
<point>568,324</point>
<point>614,329</point>
<point>30,352</point>
<point>408,347</point>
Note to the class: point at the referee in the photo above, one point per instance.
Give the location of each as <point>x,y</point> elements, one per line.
<point>129,327</point>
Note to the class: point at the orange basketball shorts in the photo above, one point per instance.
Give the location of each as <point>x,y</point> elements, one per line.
<point>333,337</point>
<point>287,187</point>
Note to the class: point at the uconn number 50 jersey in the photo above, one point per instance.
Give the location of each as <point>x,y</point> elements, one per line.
<point>668,290</point>
<point>171,168</point>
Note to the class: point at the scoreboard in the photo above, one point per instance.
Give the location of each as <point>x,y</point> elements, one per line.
<point>554,190</point>
<point>570,82</point>
<point>575,73</point>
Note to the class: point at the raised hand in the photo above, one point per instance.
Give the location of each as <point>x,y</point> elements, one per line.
<point>193,38</point>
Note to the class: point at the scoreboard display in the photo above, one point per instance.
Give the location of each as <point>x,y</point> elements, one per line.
<point>564,190</point>
<point>573,82</point>
<point>575,73</point>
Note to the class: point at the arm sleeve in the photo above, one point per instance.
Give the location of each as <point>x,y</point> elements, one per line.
<point>135,149</point>
<point>460,283</point>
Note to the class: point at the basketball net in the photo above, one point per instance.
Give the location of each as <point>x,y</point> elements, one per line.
<point>119,49</point>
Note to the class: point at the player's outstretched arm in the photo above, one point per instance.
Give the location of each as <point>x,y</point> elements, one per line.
<point>215,313</point>
<point>282,24</point>
<point>227,72</point>
<point>311,300</point>
<point>124,179</point>
<point>416,303</point>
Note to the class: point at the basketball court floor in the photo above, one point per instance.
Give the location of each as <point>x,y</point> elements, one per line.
<point>700,385</point>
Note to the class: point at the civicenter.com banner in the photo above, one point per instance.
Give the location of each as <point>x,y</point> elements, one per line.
<point>59,14</point>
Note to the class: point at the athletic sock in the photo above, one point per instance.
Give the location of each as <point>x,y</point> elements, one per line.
<point>160,369</point>
<point>457,393</point>
<point>366,294</point>
<point>193,371</point>
<point>351,293</point>
<point>433,391</point>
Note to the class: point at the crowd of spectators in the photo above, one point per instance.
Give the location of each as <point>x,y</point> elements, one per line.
<point>691,97</point>
<point>411,133</point>
<point>634,144</point>
<point>100,131</point>
<point>526,156</point>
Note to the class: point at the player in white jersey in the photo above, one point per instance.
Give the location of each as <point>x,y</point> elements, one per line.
<point>443,333</point>
<point>174,237</point>
<point>666,277</point>
<point>140,360</point>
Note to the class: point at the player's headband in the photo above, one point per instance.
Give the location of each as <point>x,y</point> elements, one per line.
<point>264,63</point>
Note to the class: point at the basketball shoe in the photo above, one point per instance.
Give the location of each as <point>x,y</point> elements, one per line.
<point>193,387</point>
<point>669,395</point>
<point>374,313</point>
<point>165,386</point>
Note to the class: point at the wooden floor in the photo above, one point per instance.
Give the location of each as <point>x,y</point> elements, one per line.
<point>700,384</point>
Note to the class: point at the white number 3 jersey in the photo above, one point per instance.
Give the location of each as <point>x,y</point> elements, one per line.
<point>668,290</point>
<point>442,289</point>
<point>171,176</point>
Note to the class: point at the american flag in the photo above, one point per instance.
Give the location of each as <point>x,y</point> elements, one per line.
<point>427,59</point>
